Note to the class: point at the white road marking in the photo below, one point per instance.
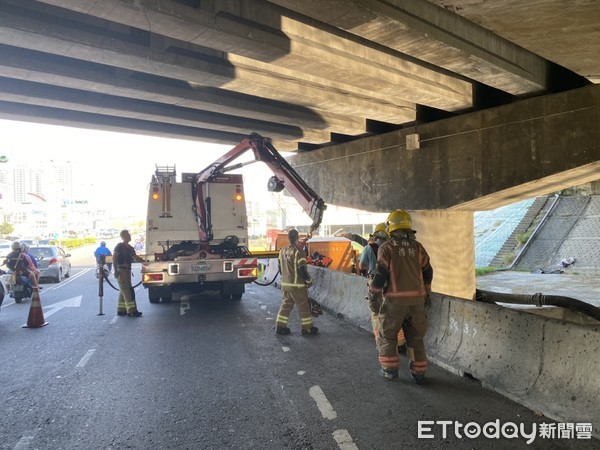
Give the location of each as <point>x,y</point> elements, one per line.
<point>322,403</point>
<point>344,440</point>
<point>24,442</point>
<point>301,372</point>
<point>263,307</point>
<point>285,349</point>
<point>83,361</point>
<point>64,282</point>
<point>74,302</point>
<point>112,322</point>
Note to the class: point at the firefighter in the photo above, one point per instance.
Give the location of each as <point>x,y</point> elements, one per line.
<point>123,256</point>
<point>295,282</point>
<point>404,270</point>
<point>368,261</point>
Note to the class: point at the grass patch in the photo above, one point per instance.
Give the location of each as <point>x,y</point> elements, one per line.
<point>484,271</point>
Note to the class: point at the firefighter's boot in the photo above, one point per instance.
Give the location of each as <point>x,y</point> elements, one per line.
<point>418,378</point>
<point>388,374</point>
<point>309,331</point>
<point>282,331</point>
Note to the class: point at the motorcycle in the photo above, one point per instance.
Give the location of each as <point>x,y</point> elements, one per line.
<point>2,290</point>
<point>106,268</point>
<point>19,287</point>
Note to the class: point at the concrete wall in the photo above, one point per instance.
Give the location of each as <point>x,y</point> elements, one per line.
<point>571,230</point>
<point>546,364</point>
<point>475,161</point>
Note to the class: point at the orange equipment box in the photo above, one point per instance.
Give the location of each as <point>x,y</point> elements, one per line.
<point>282,239</point>
<point>339,249</point>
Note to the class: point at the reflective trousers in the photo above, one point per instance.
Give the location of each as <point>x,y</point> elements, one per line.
<point>375,326</point>
<point>126,303</point>
<point>394,316</point>
<point>291,297</point>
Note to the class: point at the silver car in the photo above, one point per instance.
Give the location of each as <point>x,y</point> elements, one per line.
<point>53,262</point>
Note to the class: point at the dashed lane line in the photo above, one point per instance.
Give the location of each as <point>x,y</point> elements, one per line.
<point>342,437</point>
<point>83,361</point>
<point>344,440</point>
<point>322,403</point>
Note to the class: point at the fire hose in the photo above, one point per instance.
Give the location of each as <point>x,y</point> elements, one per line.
<point>538,299</point>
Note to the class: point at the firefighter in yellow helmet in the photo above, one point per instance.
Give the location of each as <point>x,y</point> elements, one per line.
<point>367,263</point>
<point>295,281</point>
<point>398,291</point>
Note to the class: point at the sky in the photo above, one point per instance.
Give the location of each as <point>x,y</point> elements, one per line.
<point>106,162</point>
<point>116,168</point>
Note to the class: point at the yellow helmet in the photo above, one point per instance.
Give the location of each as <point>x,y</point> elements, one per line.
<point>380,232</point>
<point>399,220</point>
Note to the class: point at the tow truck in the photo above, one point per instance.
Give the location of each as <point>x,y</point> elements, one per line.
<point>197,228</point>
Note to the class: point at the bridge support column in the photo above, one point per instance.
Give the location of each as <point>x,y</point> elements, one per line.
<point>449,239</point>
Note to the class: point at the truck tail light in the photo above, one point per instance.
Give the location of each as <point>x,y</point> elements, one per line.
<point>155,192</point>
<point>148,277</point>
<point>238,195</point>
<point>250,272</point>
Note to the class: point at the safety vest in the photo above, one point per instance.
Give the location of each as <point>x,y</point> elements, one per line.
<point>290,261</point>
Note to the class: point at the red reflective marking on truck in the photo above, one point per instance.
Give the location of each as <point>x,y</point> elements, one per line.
<point>248,262</point>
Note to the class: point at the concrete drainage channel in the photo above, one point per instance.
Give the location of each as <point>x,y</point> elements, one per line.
<point>541,362</point>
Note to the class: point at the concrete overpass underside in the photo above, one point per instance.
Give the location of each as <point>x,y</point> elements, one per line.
<point>442,106</point>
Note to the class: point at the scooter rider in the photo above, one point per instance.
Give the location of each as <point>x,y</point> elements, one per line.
<point>20,263</point>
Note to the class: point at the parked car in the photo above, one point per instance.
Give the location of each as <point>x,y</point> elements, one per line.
<point>53,262</point>
<point>4,250</point>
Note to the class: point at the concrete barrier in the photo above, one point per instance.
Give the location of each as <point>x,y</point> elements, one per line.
<point>546,364</point>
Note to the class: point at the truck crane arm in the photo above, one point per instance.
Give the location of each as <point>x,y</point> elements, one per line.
<point>284,176</point>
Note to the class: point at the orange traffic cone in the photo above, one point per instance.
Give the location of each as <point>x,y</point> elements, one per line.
<point>36,315</point>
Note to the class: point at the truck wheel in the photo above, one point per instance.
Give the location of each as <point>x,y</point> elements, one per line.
<point>153,295</point>
<point>236,297</point>
<point>167,297</point>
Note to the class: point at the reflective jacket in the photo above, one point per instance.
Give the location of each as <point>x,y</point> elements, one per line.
<point>292,264</point>
<point>402,262</point>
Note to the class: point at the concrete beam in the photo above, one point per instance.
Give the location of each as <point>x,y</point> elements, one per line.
<point>64,72</point>
<point>70,99</point>
<point>477,161</point>
<point>36,35</point>
<point>565,32</point>
<point>440,37</point>
<point>408,81</point>
<point>75,119</point>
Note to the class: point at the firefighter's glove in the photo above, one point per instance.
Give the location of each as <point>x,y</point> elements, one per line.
<point>375,300</point>
<point>309,282</point>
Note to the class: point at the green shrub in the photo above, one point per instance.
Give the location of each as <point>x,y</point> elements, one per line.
<point>508,258</point>
<point>479,271</point>
<point>522,238</point>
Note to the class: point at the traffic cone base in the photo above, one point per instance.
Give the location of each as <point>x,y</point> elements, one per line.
<point>36,314</point>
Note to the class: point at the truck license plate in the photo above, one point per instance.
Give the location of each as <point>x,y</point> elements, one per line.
<point>201,268</point>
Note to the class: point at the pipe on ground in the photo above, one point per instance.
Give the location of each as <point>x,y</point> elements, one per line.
<point>538,299</point>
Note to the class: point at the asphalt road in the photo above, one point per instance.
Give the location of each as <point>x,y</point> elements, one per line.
<point>215,376</point>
